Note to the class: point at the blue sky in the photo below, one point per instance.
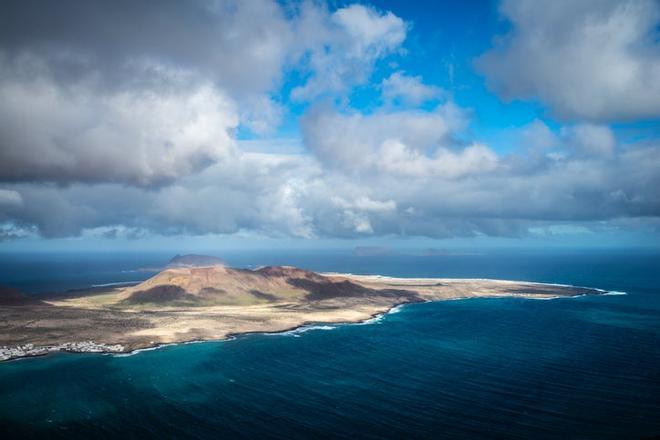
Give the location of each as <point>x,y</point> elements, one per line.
<point>442,42</point>
<point>325,124</point>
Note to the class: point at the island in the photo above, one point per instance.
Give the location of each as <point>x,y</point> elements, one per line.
<point>197,298</point>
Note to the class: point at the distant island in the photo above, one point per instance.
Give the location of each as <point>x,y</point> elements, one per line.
<point>198,298</point>
<point>194,260</point>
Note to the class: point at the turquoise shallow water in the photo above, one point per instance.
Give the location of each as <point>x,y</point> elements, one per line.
<point>584,368</point>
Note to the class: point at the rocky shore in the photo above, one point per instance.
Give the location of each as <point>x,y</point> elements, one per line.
<point>29,350</point>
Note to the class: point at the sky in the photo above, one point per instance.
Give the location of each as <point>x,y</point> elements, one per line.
<point>140,124</point>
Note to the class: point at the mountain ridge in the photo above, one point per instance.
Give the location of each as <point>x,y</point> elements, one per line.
<point>223,285</point>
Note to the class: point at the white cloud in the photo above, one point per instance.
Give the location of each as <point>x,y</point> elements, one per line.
<point>584,140</point>
<point>252,191</point>
<point>408,89</point>
<point>137,136</point>
<point>591,140</point>
<point>372,33</point>
<point>52,132</point>
<point>283,211</point>
<point>397,158</point>
<point>288,195</point>
<point>261,114</point>
<point>240,47</point>
<point>594,59</point>
<point>405,143</point>
<point>341,48</point>
<point>355,214</point>
<point>146,108</point>
<point>538,136</point>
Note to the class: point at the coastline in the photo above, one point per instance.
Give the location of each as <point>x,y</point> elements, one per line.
<point>26,351</point>
<point>29,350</point>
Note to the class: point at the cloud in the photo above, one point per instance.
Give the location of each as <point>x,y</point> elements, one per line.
<point>402,143</point>
<point>50,132</point>
<point>9,231</point>
<point>295,195</point>
<point>354,214</point>
<point>341,49</point>
<point>436,186</point>
<point>598,60</point>
<point>148,108</point>
<point>132,93</point>
<point>253,191</point>
<point>591,140</point>
<point>11,204</point>
<point>399,159</point>
<point>409,90</point>
<point>135,135</point>
<point>240,45</point>
<point>9,198</point>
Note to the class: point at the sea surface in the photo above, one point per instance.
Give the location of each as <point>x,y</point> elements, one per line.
<point>578,368</point>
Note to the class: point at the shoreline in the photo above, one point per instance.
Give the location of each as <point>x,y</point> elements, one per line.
<point>233,336</point>
<point>26,351</point>
<point>102,349</point>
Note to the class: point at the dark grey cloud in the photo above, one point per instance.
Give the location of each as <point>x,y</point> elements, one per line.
<point>136,92</point>
<point>145,93</point>
<point>253,192</point>
<point>240,44</point>
<point>119,119</point>
<point>297,196</point>
<point>140,137</point>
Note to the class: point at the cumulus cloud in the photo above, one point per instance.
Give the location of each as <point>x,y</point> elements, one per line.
<point>437,187</point>
<point>590,139</point>
<point>354,214</point>
<point>403,143</point>
<point>407,89</point>
<point>294,195</point>
<point>241,45</point>
<point>88,95</point>
<point>147,108</point>
<point>341,49</point>
<point>254,192</point>
<point>51,132</point>
<point>135,134</point>
<point>598,60</point>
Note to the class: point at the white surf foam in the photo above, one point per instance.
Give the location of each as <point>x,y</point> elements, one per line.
<point>378,318</point>
<point>305,328</point>
<point>375,320</point>
<point>601,291</point>
<point>140,350</point>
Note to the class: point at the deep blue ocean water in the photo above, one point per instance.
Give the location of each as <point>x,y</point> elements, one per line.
<point>583,368</point>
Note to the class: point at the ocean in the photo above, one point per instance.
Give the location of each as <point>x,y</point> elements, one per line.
<point>571,368</point>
